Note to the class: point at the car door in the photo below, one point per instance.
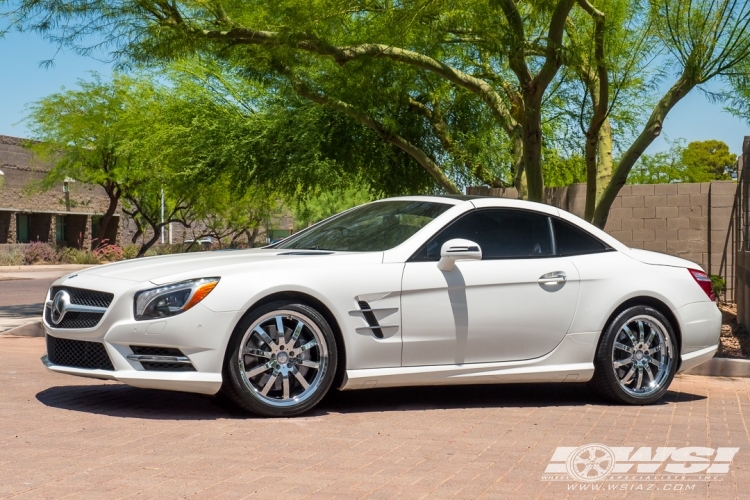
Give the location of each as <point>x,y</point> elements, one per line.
<point>516,303</point>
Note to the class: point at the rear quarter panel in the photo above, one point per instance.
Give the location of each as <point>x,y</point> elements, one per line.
<point>608,279</point>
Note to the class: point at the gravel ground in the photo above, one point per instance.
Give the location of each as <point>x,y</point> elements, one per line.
<point>735,339</point>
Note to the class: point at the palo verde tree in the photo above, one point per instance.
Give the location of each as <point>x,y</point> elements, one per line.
<point>79,132</point>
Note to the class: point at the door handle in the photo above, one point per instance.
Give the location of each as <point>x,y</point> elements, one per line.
<point>552,279</point>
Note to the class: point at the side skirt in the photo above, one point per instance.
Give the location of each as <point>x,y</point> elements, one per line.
<point>570,361</point>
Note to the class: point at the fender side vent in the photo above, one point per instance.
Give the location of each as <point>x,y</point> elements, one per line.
<point>370,318</point>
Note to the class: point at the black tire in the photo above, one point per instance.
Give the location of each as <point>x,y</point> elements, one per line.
<point>247,391</point>
<point>608,379</point>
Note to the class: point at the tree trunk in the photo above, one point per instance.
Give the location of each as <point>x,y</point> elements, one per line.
<point>592,144</point>
<point>598,88</point>
<point>114,197</point>
<point>651,130</point>
<point>598,155</point>
<point>148,244</point>
<point>532,147</point>
<point>138,233</point>
<point>519,173</point>
<point>251,237</point>
<point>604,158</point>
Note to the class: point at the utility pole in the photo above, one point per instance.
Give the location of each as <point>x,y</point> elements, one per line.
<point>162,215</point>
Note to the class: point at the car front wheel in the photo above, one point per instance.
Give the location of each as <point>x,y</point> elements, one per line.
<point>281,360</point>
<point>637,357</point>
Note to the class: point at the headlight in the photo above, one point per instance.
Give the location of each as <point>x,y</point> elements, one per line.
<point>170,300</point>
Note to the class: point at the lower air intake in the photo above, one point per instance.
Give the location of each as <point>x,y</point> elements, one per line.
<point>78,354</point>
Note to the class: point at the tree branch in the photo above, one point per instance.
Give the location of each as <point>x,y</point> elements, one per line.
<point>442,132</point>
<point>517,57</point>
<point>342,55</point>
<point>553,53</point>
<point>420,156</point>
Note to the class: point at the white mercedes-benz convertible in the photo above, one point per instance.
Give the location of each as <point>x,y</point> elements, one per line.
<point>404,291</point>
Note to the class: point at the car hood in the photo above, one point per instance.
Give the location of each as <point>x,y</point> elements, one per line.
<point>168,268</point>
<point>659,259</point>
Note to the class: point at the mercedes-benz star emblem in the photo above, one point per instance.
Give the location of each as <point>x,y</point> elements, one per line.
<point>59,306</point>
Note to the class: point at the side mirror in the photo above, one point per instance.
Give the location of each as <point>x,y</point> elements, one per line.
<point>458,249</point>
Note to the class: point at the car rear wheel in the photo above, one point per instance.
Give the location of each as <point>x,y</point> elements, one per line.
<point>281,360</point>
<point>637,357</point>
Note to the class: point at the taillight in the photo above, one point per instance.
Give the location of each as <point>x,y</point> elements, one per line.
<point>704,282</point>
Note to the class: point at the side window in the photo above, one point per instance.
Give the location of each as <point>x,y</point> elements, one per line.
<point>571,240</point>
<point>501,233</point>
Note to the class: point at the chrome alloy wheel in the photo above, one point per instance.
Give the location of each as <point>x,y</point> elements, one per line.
<point>642,356</point>
<point>283,358</point>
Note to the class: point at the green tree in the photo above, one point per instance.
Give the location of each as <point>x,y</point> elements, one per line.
<point>326,203</point>
<point>79,132</point>
<point>710,160</point>
<point>663,167</point>
<point>151,145</point>
<point>699,161</point>
<point>232,220</point>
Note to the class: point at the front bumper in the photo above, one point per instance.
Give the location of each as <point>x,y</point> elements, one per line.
<point>202,383</point>
<point>200,334</point>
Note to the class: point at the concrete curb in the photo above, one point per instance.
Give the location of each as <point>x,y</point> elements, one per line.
<point>722,367</point>
<point>33,329</point>
<point>46,267</point>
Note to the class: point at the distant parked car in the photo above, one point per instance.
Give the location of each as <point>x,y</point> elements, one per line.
<point>202,242</point>
<point>398,292</point>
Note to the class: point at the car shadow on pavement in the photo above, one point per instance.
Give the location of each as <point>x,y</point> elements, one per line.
<point>23,310</point>
<point>476,396</point>
<point>119,400</point>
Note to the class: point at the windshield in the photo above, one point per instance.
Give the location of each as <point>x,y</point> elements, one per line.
<point>370,228</point>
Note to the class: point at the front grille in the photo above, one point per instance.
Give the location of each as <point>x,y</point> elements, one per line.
<point>78,354</point>
<point>79,296</point>
<point>84,297</point>
<point>161,351</point>
<point>74,319</point>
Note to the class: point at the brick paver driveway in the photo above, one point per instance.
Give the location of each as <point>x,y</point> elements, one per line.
<point>62,436</point>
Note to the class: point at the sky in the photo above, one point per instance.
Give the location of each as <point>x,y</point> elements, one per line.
<point>24,81</point>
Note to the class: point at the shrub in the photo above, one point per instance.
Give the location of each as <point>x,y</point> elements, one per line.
<point>168,249</point>
<point>109,253</point>
<point>37,252</point>
<point>11,255</point>
<point>719,284</point>
<point>75,256</point>
<point>130,251</point>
